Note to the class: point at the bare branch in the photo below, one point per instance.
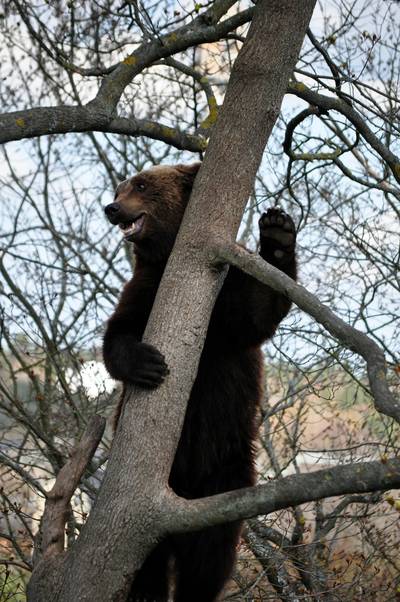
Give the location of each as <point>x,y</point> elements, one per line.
<point>50,539</point>
<point>191,515</point>
<point>329,103</point>
<point>273,562</point>
<point>98,115</point>
<point>17,468</point>
<point>352,338</point>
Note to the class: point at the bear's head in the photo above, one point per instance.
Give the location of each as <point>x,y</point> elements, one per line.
<point>149,207</point>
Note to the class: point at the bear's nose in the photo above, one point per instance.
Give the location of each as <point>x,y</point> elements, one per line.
<point>111,210</point>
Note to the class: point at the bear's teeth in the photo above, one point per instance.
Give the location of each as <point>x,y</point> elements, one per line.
<point>126,227</point>
<point>132,228</point>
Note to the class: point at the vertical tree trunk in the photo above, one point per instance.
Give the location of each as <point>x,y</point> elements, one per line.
<point>129,515</point>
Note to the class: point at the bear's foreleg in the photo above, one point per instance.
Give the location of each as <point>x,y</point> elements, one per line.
<point>248,310</point>
<point>128,359</point>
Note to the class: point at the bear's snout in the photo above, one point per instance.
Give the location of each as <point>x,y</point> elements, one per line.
<point>112,210</point>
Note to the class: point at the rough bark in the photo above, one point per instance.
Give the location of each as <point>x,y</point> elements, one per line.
<point>127,518</point>
<point>51,534</point>
<point>191,515</point>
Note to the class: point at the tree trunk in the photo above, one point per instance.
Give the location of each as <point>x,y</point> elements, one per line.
<point>129,515</point>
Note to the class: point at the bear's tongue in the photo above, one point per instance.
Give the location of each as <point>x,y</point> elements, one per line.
<point>132,228</point>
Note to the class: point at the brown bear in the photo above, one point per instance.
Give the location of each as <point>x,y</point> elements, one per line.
<point>216,448</point>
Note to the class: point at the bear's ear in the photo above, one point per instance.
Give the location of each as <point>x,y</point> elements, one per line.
<point>188,172</point>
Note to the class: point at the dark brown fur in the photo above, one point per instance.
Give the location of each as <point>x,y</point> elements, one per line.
<point>215,452</point>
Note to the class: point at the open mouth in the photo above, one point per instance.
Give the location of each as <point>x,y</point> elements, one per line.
<point>133,227</point>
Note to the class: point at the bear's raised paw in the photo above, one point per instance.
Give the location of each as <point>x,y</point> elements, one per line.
<point>277,233</point>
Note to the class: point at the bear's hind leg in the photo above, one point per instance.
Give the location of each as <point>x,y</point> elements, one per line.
<point>151,582</point>
<point>204,562</point>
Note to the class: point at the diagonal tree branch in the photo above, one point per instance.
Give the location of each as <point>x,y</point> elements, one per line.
<point>50,537</point>
<point>352,338</point>
<point>204,28</point>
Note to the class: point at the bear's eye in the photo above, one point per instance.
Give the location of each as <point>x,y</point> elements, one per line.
<point>139,186</point>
